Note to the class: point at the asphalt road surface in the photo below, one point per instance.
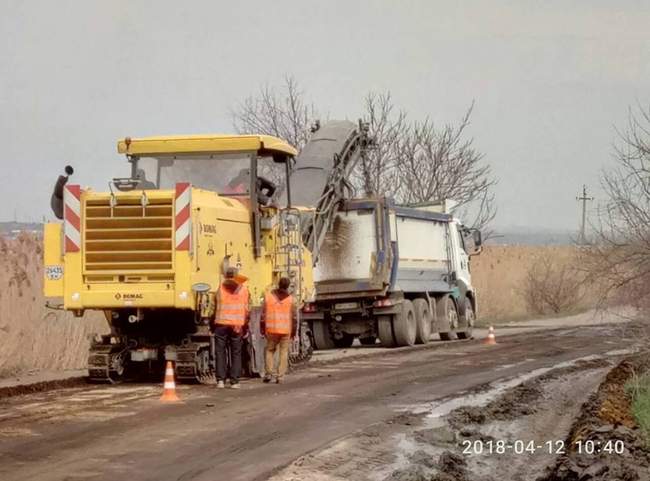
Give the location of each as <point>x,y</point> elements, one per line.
<point>124,432</point>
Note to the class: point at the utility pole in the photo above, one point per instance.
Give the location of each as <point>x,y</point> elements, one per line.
<point>582,240</point>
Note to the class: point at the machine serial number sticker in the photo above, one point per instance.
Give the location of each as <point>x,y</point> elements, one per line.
<point>53,273</point>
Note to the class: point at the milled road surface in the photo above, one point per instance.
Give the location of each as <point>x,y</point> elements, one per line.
<point>114,432</point>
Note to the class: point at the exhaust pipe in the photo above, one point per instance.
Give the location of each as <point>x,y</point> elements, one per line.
<point>56,201</point>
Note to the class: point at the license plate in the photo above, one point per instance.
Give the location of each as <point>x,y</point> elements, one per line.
<point>346,305</point>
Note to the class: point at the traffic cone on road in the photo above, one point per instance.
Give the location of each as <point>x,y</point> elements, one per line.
<point>169,389</point>
<point>490,340</point>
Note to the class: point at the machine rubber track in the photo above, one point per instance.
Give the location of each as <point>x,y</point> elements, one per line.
<point>193,363</point>
<point>107,362</point>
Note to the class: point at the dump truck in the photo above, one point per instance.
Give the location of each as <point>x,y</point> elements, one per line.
<point>151,252</point>
<point>381,271</point>
<point>394,273</point>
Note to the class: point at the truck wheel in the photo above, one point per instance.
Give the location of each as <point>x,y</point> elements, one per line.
<point>423,320</point>
<point>447,316</point>
<point>405,325</point>
<point>368,341</point>
<point>345,341</point>
<point>322,337</point>
<point>467,321</point>
<point>385,331</point>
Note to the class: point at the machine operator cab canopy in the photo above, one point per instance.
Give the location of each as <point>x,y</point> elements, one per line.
<point>219,163</point>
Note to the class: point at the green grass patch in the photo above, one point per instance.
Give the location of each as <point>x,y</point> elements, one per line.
<point>638,388</point>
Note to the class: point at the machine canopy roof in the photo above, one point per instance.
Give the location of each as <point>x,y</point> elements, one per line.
<point>264,145</point>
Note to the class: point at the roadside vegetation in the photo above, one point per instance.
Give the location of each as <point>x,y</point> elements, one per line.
<point>553,286</point>
<point>638,388</point>
<point>32,336</point>
<point>618,258</point>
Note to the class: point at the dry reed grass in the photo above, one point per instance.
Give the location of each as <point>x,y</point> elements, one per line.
<point>31,335</point>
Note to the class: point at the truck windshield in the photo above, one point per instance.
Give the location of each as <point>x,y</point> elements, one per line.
<point>225,174</point>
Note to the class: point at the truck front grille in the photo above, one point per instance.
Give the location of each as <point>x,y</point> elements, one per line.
<point>128,238</point>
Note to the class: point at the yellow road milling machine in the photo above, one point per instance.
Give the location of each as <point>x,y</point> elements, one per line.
<point>151,252</point>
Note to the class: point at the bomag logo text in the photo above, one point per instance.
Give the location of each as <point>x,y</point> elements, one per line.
<point>209,229</point>
<point>128,297</point>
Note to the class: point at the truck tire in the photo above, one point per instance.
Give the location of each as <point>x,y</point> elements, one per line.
<point>423,320</point>
<point>322,337</point>
<point>405,325</point>
<point>368,341</point>
<point>447,317</point>
<point>466,322</point>
<point>385,331</point>
<point>345,341</point>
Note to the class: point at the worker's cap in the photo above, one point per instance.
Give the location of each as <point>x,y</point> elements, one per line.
<point>233,274</point>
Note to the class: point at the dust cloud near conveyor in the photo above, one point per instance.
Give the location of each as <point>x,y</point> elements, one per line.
<point>320,177</point>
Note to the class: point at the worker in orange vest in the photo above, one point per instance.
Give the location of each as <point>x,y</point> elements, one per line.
<point>230,322</point>
<point>279,325</point>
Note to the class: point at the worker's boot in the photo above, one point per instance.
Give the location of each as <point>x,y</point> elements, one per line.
<point>234,385</point>
<point>278,380</point>
<point>220,384</point>
<point>267,379</point>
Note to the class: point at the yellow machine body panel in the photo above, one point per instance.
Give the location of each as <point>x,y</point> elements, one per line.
<point>128,257</point>
<point>262,144</point>
<point>53,261</point>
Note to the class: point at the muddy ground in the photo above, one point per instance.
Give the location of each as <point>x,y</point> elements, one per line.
<point>376,417</point>
<point>512,430</point>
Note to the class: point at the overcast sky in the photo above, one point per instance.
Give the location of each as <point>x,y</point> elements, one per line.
<point>550,79</point>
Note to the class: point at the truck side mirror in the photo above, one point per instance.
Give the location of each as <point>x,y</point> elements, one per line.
<point>478,241</point>
<point>476,236</point>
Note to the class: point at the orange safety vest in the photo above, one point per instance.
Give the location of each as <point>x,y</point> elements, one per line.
<point>278,314</point>
<point>232,306</point>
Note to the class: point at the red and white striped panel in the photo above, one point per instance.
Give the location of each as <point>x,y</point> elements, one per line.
<point>182,219</point>
<point>72,217</point>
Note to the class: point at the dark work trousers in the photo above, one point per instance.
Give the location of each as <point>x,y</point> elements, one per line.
<point>225,337</point>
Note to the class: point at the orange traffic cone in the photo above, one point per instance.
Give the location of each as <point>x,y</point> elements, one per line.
<point>490,340</point>
<point>169,389</point>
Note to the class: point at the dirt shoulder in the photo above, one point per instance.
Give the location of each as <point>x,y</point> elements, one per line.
<point>604,442</point>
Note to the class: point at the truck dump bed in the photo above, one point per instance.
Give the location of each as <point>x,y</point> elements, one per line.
<point>375,247</point>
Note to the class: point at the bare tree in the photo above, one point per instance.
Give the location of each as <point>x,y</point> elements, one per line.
<point>375,173</point>
<point>436,164</point>
<point>413,162</point>
<point>619,257</point>
<point>285,114</point>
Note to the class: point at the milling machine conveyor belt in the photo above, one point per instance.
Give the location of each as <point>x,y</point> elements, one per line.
<point>321,176</point>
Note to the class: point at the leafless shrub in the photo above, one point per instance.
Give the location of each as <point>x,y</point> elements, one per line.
<point>619,256</point>
<point>552,286</point>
